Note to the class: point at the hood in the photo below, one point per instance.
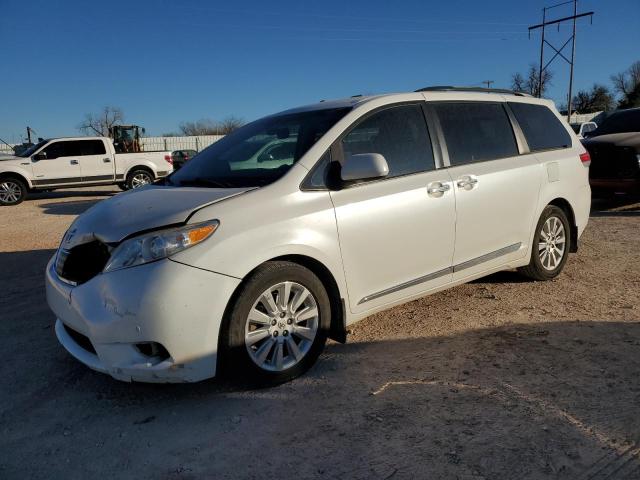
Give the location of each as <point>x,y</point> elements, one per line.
<point>7,157</point>
<point>629,139</point>
<point>143,209</point>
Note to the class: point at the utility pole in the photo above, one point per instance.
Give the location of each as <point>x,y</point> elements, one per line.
<point>29,134</point>
<point>488,82</point>
<point>558,52</point>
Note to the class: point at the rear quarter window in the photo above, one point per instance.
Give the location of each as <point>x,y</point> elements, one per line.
<point>541,127</point>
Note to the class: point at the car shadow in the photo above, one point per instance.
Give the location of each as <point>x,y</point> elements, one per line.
<point>619,206</point>
<point>75,207</point>
<point>72,192</point>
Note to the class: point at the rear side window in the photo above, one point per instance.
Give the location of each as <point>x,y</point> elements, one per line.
<point>475,132</point>
<point>91,147</point>
<point>542,129</point>
<point>399,134</point>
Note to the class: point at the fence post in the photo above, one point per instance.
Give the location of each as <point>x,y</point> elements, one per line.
<point>165,143</point>
<point>197,149</point>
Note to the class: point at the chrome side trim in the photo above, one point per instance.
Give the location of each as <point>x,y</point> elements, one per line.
<point>445,271</point>
<point>410,283</point>
<point>485,258</point>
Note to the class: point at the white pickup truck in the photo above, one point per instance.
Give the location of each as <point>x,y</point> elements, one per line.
<point>77,162</point>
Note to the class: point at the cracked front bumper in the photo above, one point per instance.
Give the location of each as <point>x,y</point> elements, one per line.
<point>175,305</point>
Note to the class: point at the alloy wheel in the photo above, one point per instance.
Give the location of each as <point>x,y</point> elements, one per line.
<point>281,326</point>
<point>140,179</point>
<point>10,192</point>
<point>552,243</point>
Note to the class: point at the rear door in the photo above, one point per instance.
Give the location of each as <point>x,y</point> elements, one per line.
<point>396,233</point>
<point>61,165</point>
<point>97,164</point>
<point>496,187</point>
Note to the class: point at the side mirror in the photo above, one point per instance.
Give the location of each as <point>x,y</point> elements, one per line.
<point>363,166</point>
<point>39,156</point>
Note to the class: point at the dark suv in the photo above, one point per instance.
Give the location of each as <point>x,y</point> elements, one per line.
<point>615,154</point>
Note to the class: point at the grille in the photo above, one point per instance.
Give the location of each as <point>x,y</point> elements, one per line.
<point>83,262</point>
<point>80,339</point>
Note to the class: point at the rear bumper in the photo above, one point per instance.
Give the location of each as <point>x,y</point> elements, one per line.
<point>166,302</point>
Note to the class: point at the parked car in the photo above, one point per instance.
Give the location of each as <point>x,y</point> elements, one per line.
<point>77,162</point>
<point>180,157</point>
<point>384,199</point>
<point>583,129</point>
<point>615,154</point>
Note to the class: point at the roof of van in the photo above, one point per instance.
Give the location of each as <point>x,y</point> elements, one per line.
<point>453,93</point>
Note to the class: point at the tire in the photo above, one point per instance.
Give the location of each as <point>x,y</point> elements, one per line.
<point>138,178</point>
<point>549,251</point>
<point>13,191</point>
<point>123,187</point>
<point>254,357</point>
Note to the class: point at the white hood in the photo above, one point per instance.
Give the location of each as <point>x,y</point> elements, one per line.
<point>143,209</point>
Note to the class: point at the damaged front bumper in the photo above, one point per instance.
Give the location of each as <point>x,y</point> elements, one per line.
<point>157,322</point>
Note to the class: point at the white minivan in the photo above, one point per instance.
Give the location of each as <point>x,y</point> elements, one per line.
<point>379,200</point>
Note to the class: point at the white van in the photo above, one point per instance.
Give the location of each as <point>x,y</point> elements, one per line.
<point>384,199</point>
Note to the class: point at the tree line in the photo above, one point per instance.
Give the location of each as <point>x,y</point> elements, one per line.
<point>624,94</point>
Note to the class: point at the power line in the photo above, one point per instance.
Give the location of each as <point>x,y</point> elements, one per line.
<point>558,51</point>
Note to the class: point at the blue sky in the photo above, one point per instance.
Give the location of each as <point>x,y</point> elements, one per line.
<point>165,62</point>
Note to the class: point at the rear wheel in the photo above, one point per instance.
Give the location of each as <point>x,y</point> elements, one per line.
<point>551,245</point>
<point>278,325</point>
<point>138,178</point>
<point>12,191</point>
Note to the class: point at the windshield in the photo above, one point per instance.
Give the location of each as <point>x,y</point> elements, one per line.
<point>29,151</point>
<point>258,153</point>
<point>620,122</point>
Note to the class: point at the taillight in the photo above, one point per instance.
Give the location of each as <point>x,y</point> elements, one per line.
<point>168,159</point>
<point>585,158</point>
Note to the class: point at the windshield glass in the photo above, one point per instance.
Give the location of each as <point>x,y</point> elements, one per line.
<point>29,151</point>
<point>620,122</point>
<point>258,153</point>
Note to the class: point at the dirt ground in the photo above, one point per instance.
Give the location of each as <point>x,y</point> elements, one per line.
<point>500,378</point>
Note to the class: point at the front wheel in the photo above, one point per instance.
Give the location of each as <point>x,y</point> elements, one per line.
<point>551,245</point>
<point>12,191</point>
<point>138,178</point>
<point>277,326</point>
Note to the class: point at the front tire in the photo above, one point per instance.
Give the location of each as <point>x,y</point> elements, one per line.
<point>138,178</point>
<point>551,245</point>
<point>13,191</point>
<point>277,326</point>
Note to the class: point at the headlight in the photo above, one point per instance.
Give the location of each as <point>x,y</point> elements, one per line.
<point>159,244</point>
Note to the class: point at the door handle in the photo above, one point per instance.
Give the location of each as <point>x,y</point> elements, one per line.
<point>106,160</point>
<point>467,182</point>
<point>73,162</point>
<point>437,189</point>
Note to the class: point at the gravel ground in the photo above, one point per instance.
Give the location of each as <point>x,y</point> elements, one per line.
<point>499,378</point>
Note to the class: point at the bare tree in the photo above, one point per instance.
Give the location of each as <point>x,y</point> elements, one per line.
<point>625,83</point>
<point>99,124</point>
<point>531,84</point>
<point>229,124</point>
<point>200,127</point>
<point>211,127</point>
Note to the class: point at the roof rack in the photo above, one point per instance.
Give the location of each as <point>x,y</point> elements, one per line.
<point>448,88</point>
